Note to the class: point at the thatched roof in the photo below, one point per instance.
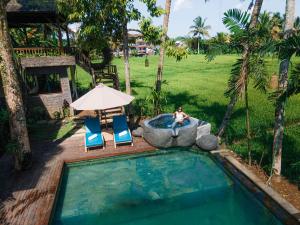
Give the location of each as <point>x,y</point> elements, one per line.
<point>20,12</point>
<point>31,6</point>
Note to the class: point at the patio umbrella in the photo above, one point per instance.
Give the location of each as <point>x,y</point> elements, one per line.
<point>101,98</point>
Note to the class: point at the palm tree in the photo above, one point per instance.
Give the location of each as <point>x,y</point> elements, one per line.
<point>243,71</point>
<point>12,92</point>
<point>162,46</point>
<point>251,65</point>
<point>200,30</point>
<point>282,87</point>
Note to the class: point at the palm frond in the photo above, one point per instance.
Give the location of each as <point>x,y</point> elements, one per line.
<point>236,20</point>
<point>258,72</point>
<point>294,81</point>
<point>237,80</point>
<point>199,28</point>
<point>289,46</point>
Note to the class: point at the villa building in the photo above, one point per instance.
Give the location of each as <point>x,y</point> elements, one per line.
<point>48,68</point>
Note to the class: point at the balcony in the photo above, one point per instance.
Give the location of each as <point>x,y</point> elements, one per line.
<point>43,51</point>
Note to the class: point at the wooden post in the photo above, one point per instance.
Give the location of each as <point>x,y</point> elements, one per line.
<point>74,89</point>
<point>45,32</point>
<point>68,37</point>
<point>60,42</point>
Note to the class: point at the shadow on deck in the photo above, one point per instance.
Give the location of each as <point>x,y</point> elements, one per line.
<point>26,197</point>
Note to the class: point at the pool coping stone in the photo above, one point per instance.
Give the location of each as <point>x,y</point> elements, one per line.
<point>269,191</point>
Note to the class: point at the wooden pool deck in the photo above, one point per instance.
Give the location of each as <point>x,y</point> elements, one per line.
<point>26,198</point>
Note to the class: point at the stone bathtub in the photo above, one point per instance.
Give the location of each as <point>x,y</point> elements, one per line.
<point>158,131</point>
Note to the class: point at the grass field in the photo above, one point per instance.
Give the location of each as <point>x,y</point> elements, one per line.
<point>199,87</point>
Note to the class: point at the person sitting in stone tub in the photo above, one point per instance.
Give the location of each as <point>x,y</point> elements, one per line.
<point>179,117</point>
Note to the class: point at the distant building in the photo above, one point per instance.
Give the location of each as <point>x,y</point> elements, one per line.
<point>138,46</point>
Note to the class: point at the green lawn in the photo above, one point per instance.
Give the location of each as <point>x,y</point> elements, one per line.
<point>198,86</point>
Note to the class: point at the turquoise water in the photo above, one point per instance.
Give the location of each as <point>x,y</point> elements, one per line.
<point>166,121</point>
<point>172,187</point>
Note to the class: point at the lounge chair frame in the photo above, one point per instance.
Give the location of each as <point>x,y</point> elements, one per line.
<point>103,141</point>
<point>87,148</point>
<point>123,142</point>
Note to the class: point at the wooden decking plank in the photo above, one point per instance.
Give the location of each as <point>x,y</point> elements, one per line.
<point>45,175</point>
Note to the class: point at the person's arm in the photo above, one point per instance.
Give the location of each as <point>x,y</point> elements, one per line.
<point>185,116</point>
<point>174,115</point>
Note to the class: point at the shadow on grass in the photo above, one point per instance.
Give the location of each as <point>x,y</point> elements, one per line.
<point>261,146</point>
<point>200,107</point>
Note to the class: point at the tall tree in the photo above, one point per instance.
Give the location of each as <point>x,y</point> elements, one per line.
<point>162,46</point>
<point>200,30</point>
<point>244,69</point>
<point>12,92</point>
<point>126,58</point>
<point>282,86</point>
<point>256,40</point>
<point>106,20</point>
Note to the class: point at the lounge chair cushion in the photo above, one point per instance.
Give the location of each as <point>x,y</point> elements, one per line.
<point>123,138</point>
<point>121,131</point>
<point>97,141</point>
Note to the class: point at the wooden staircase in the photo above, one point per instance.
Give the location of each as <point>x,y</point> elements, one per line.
<point>107,115</point>
<point>107,75</point>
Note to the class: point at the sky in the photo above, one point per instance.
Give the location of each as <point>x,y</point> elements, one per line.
<point>183,12</point>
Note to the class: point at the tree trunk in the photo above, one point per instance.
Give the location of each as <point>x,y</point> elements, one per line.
<point>60,41</point>
<point>162,46</point>
<point>248,124</point>
<point>13,95</point>
<point>127,72</point>
<point>68,36</point>
<point>26,36</point>
<point>244,69</point>
<point>282,85</point>
<point>227,116</point>
<point>126,58</point>
<point>198,45</point>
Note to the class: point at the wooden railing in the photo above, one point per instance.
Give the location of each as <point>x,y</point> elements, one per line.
<point>42,51</point>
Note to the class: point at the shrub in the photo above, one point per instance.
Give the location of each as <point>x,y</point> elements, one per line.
<point>57,115</point>
<point>66,109</point>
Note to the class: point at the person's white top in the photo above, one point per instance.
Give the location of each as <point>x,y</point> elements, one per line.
<point>179,116</point>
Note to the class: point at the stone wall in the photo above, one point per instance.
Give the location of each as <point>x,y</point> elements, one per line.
<point>53,102</point>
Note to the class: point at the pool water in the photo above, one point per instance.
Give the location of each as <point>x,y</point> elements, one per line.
<point>175,187</point>
<point>166,121</point>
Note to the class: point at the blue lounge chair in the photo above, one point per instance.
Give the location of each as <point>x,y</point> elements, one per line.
<point>93,129</point>
<point>122,133</point>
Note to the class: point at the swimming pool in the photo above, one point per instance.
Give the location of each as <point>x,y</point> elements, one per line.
<point>176,187</point>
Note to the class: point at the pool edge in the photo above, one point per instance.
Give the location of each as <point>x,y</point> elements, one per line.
<point>57,178</point>
<point>221,156</point>
<point>270,193</point>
